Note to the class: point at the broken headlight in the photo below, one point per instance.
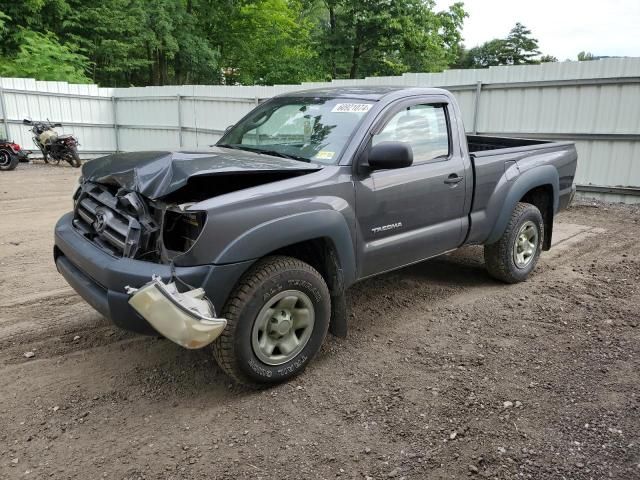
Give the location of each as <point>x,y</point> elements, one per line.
<point>77,188</point>
<point>181,229</point>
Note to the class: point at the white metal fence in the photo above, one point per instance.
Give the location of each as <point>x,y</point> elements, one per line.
<point>596,104</point>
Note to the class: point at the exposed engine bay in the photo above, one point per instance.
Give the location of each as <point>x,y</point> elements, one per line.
<point>125,224</point>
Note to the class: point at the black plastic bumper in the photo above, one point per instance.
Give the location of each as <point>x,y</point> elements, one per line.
<point>100,279</point>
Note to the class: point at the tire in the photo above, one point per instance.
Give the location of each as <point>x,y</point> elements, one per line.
<point>260,309</point>
<point>8,161</point>
<point>45,157</point>
<point>73,158</point>
<point>511,259</point>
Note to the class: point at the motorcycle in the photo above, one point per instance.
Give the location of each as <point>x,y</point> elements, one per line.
<point>54,147</point>
<point>10,155</point>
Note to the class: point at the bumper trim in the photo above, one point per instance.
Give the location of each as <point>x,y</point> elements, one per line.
<point>91,292</point>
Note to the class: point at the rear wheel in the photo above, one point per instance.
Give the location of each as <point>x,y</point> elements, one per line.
<point>8,161</point>
<point>514,256</point>
<point>277,318</point>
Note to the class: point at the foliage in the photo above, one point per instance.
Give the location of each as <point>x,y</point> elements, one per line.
<point>43,57</point>
<point>586,57</point>
<point>548,59</point>
<point>267,42</point>
<point>161,42</point>
<point>518,48</point>
<point>382,37</point>
<point>521,46</point>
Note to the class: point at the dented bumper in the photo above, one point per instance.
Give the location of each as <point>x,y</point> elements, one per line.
<point>187,319</point>
<point>100,279</point>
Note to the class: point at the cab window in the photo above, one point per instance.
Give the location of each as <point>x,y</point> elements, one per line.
<point>424,127</point>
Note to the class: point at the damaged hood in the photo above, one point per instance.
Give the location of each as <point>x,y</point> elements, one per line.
<point>157,174</point>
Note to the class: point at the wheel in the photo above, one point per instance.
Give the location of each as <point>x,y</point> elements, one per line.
<point>51,159</point>
<point>73,158</point>
<point>277,318</point>
<point>8,161</point>
<point>514,256</point>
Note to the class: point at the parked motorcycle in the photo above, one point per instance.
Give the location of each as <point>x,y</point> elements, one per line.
<point>10,155</point>
<point>54,147</point>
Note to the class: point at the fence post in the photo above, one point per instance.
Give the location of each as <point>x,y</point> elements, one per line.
<point>114,101</point>
<point>476,107</point>
<point>179,100</point>
<point>4,114</point>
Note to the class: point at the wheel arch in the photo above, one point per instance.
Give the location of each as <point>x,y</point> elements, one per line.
<point>539,186</point>
<point>328,227</point>
<point>321,238</point>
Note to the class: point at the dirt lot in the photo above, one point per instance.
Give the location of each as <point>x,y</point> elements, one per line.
<point>445,373</point>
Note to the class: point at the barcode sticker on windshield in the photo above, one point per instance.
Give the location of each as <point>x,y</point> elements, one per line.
<point>351,107</point>
<point>324,155</point>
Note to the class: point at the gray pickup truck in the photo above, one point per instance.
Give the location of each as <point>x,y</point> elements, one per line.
<point>309,193</point>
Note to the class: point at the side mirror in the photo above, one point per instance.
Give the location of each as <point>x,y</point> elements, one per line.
<point>228,128</point>
<point>386,155</point>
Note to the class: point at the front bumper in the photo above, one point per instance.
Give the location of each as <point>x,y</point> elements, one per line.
<point>100,279</point>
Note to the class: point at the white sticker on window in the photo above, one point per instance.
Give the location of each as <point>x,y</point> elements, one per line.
<point>351,107</point>
<point>324,155</point>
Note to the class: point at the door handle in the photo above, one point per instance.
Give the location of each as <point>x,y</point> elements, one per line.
<point>453,179</point>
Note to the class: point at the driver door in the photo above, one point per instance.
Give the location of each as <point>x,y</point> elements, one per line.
<point>409,214</point>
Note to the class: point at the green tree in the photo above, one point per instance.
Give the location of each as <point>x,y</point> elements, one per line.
<point>548,59</point>
<point>43,57</point>
<point>164,42</point>
<point>491,53</point>
<point>521,46</point>
<point>586,56</point>
<point>267,42</point>
<point>379,37</point>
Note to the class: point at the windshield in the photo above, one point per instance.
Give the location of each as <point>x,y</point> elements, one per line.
<point>307,129</point>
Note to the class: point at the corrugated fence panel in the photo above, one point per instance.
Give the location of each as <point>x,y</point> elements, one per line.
<point>596,104</point>
<point>85,111</point>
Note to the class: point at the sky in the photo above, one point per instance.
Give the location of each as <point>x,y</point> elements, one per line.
<point>563,27</point>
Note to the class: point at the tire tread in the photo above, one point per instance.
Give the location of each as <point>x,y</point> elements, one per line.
<point>223,346</point>
<point>497,255</point>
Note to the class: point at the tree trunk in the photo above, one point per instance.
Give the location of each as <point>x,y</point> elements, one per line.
<point>333,29</point>
<point>355,59</point>
<point>150,67</point>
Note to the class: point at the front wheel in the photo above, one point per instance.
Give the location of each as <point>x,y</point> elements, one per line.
<point>72,157</point>
<point>277,318</point>
<point>514,256</point>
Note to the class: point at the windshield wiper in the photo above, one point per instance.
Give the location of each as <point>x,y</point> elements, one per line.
<point>228,145</point>
<point>274,153</point>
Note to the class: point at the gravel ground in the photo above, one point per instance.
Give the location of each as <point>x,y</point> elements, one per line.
<point>445,372</point>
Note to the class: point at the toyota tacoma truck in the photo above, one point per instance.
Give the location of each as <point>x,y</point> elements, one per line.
<point>306,195</point>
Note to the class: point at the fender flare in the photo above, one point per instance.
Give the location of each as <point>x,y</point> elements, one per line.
<point>282,232</point>
<point>536,177</point>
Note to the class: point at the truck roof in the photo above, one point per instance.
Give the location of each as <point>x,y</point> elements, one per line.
<point>373,93</point>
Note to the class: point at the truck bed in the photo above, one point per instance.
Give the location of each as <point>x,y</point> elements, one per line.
<point>482,143</point>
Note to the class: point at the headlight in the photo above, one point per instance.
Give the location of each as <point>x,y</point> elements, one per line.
<point>76,191</point>
<point>181,229</point>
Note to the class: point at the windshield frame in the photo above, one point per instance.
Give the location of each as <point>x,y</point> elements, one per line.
<point>285,99</point>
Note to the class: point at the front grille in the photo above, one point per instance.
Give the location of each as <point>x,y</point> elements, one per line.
<point>119,222</point>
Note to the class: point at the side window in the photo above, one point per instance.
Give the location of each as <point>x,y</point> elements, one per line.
<point>424,127</point>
